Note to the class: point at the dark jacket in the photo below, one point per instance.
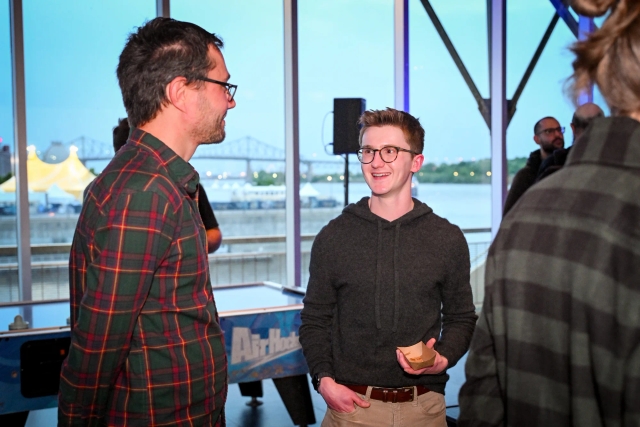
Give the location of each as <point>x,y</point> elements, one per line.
<point>524,179</point>
<point>375,285</point>
<point>553,163</point>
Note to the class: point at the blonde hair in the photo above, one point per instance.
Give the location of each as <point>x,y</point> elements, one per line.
<point>610,56</point>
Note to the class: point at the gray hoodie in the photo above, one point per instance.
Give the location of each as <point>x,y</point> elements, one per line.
<point>375,285</point>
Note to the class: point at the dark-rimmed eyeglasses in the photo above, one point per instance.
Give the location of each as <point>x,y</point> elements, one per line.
<point>551,131</point>
<point>388,154</point>
<point>231,89</point>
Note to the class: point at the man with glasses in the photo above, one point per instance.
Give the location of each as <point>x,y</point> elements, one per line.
<point>582,118</point>
<point>386,273</point>
<point>549,135</point>
<point>146,345</point>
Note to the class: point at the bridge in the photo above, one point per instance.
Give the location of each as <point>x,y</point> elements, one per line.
<point>246,149</point>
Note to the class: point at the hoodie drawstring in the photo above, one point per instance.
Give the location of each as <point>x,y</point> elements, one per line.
<point>396,279</point>
<point>362,210</point>
<point>378,274</point>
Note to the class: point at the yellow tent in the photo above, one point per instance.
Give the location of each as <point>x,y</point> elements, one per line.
<point>70,175</point>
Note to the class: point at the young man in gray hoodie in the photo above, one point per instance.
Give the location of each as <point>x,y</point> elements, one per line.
<point>386,273</point>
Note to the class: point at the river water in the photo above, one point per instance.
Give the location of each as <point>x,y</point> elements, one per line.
<point>466,205</point>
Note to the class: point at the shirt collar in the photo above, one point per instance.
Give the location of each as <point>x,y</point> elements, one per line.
<point>613,141</point>
<point>180,171</point>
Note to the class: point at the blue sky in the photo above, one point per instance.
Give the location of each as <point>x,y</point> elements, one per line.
<point>345,50</point>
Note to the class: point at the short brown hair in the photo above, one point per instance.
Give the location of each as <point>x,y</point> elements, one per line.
<point>410,126</point>
<point>158,52</point>
<point>610,56</point>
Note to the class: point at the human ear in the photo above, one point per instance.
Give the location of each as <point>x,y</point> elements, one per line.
<point>416,164</point>
<point>177,92</point>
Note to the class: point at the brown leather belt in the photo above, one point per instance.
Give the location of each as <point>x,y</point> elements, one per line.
<point>393,395</point>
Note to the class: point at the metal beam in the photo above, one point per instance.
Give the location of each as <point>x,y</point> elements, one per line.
<point>563,11</point>
<point>484,105</point>
<point>532,66</point>
<point>401,53</point>
<point>20,157</point>
<point>163,8</point>
<point>292,144</point>
<point>457,60</point>
<point>585,26</point>
<point>498,111</point>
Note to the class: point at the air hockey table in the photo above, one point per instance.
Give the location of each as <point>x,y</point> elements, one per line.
<point>260,322</point>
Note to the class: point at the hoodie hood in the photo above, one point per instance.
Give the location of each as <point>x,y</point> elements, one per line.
<point>361,210</point>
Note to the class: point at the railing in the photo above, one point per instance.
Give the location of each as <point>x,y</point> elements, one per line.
<point>65,248</point>
<point>240,260</point>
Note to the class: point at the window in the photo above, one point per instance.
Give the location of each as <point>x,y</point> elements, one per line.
<point>9,286</point>
<point>544,94</point>
<point>453,180</point>
<point>244,175</point>
<point>345,51</point>
<point>456,178</point>
<point>72,100</point>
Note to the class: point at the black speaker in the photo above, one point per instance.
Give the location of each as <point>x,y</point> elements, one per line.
<point>346,112</point>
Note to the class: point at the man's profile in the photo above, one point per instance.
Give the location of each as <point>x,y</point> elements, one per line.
<point>146,345</point>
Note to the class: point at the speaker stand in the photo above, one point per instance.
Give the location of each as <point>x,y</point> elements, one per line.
<point>346,179</point>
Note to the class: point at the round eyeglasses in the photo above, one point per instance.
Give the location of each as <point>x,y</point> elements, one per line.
<point>388,154</point>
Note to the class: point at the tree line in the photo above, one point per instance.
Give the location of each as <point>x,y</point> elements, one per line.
<point>471,172</point>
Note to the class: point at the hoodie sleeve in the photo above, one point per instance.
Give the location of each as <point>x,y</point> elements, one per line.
<point>458,311</point>
<point>319,306</point>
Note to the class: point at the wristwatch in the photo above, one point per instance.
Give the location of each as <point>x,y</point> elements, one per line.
<point>315,380</point>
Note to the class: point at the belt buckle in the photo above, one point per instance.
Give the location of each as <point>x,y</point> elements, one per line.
<point>411,391</point>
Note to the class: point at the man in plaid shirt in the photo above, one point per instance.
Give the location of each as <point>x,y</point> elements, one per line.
<point>146,345</point>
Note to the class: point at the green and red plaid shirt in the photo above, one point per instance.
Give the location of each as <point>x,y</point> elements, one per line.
<point>146,345</point>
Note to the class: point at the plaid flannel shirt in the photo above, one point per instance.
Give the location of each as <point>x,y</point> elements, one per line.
<point>146,345</point>
<point>558,340</point>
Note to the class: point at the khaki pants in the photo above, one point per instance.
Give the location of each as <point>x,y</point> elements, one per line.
<point>428,410</point>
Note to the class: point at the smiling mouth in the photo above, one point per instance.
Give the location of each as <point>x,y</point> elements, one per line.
<point>380,175</point>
